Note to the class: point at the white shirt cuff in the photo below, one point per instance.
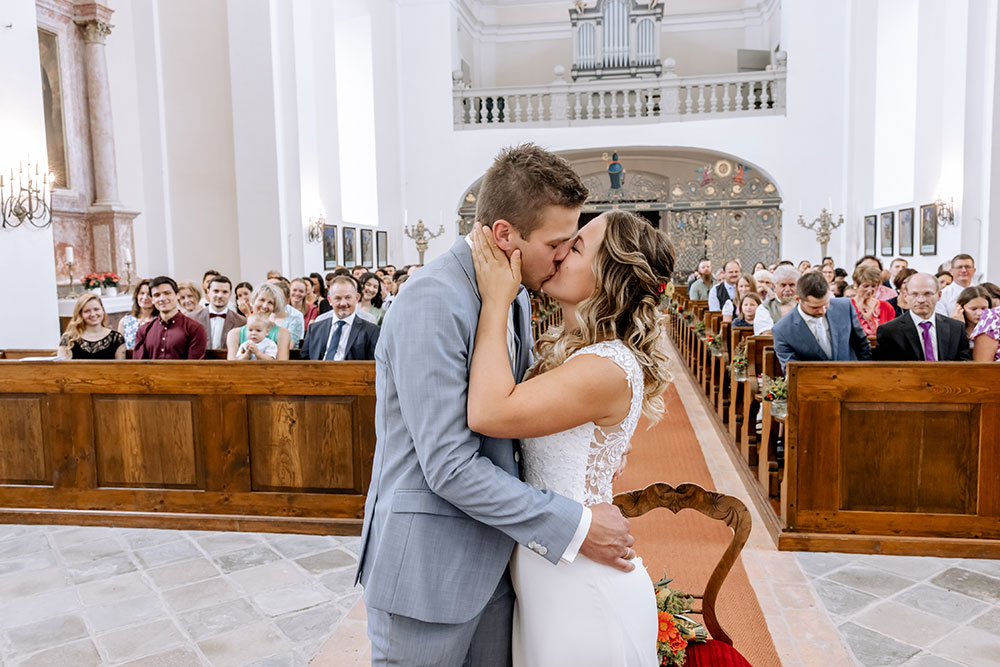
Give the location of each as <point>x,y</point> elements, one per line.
<point>578,537</point>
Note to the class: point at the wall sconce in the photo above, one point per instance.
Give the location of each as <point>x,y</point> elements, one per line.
<point>314,232</point>
<point>26,198</point>
<point>945,211</point>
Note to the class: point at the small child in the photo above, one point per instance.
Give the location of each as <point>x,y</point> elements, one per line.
<point>258,345</point>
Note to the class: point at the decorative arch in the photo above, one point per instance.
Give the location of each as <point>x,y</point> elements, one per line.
<point>712,204</point>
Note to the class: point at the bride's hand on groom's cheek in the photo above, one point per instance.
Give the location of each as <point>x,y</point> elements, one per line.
<point>498,278</point>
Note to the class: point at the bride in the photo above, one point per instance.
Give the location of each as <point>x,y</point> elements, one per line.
<point>575,416</point>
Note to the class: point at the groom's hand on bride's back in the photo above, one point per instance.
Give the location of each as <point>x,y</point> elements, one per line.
<point>609,541</point>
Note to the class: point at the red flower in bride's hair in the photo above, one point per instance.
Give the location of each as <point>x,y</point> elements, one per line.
<point>661,288</point>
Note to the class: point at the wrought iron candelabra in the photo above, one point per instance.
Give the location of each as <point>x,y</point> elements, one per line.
<point>421,235</point>
<point>823,226</point>
<point>26,198</point>
<point>72,285</point>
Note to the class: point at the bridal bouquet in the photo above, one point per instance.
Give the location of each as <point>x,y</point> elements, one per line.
<point>675,630</point>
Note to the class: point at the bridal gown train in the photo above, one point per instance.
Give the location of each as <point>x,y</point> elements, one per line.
<point>582,613</point>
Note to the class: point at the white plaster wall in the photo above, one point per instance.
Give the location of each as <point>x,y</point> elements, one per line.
<point>26,257</point>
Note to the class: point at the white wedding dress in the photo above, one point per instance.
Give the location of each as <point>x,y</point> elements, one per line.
<point>581,613</point>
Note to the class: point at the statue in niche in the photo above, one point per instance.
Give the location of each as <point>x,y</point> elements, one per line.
<point>616,172</point>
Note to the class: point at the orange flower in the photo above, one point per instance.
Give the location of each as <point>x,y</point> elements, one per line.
<point>666,627</point>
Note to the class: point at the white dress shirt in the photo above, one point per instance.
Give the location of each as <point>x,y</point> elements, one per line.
<point>345,333</point>
<point>216,324</point>
<point>762,320</point>
<point>917,320</point>
<point>573,548</point>
<point>713,297</point>
<point>949,299</point>
<point>820,329</point>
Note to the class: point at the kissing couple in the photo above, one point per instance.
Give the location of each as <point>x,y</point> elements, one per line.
<point>489,535</point>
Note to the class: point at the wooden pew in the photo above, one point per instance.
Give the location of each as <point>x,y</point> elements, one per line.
<point>894,458</point>
<point>751,404</point>
<point>266,446</point>
<point>718,378</point>
<point>737,388</point>
<point>768,471</point>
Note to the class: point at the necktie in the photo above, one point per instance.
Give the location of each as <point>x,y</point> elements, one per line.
<point>928,345</point>
<point>331,349</point>
<point>222,315</point>
<point>819,330</point>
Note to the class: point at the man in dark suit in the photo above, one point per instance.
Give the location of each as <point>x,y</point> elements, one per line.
<point>218,318</point>
<point>920,334</point>
<point>341,335</point>
<point>820,328</point>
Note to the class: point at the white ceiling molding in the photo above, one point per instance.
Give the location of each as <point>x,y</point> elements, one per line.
<point>471,14</point>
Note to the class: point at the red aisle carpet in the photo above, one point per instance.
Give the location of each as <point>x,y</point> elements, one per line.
<point>687,546</point>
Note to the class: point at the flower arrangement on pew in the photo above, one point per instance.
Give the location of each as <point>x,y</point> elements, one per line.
<point>775,392</point>
<point>674,630</point>
<point>740,362</point>
<point>714,344</point>
<point>699,328</point>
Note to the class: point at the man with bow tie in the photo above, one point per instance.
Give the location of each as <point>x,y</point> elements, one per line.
<point>217,318</point>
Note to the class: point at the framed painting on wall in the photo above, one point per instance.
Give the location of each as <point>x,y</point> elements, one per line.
<point>329,246</point>
<point>871,234</point>
<point>928,229</point>
<point>888,231</point>
<point>367,251</point>
<point>349,246</point>
<point>382,248</point>
<point>906,232</point>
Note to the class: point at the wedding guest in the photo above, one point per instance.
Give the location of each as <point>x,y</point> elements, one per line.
<point>944,278</point>
<point>839,288</point>
<point>827,261</point>
<point>390,291</point>
<point>172,335</point>
<point>765,284</point>
<point>963,268</point>
<point>922,334</point>
<point>749,303</point>
<point>243,292</point>
<point>986,336</point>
<point>779,305</point>
<point>899,303</point>
<point>371,296</point>
<point>829,273</point>
<point>872,311</point>
<point>142,312</point>
<point>299,291</point>
<point>895,267</point>
<point>87,335</point>
<point>745,285</point>
<point>804,266</point>
<point>258,347</point>
<point>820,328</point>
<point>390,270</point>
<point>699,289</point>
<point>218,319</point>
<point>188,297</point>
<point>206,280</point>
<point>840,274</point>
<point>273,274</point>
<point>883,293</point>
<point>726,289</point>
<point>343,335</point>
<point>972,303</point>
<point>288,317</point>
<point>318,288</point>
<point>759,266</point>
<point>267,300</point>
<point>994,292</point>
<point>358,271</point>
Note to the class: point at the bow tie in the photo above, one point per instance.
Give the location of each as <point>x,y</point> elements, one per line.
<point>211,315</point>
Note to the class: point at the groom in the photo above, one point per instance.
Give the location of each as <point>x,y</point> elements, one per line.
<point>445,506</point>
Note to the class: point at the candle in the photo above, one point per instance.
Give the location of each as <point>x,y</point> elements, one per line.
<point>69,254</point>
<point>128,255</point>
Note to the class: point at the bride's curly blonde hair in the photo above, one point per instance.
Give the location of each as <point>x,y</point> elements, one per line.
<point>633,263</point>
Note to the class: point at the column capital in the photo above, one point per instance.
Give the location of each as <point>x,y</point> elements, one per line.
<point>95,31</point>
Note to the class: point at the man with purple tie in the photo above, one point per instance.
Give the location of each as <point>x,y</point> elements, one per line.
<point>920,334</point>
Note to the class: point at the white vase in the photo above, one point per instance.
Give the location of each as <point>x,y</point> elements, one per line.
<point>111,291</point>
<point>96,290</point>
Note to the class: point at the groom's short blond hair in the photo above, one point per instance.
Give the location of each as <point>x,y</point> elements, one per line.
<point>522,182</point>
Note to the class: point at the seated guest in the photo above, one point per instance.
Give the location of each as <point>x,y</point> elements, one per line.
<point>243,293</point>
<point>839,288</point>
<point>972,303</point>
<point>206,281</point>
<point>872,311</point>
<point>898,303</point>
<point>389,289</point>
<point>726,289</point>
<point>986,337</point>
<point>820,328</point>
<point>698,290</point>
<point>142,312</point>
<point>804,266</point>
<point>883,293</point>
<point>188,297</point>
<point>963,268</point>
<point>920,334</point>
<point>765,284</point>
<point>288,317</point>
<point>371,296</point>
<point>745,285</point>
<point>358,271</point>
<point>759,266</point>
<point>994,293</point>
<point>217,318</point>
<point>749,304</point>
<point>172,335</point>
<point>342,335</point>
<point>266,300</point>
<point>829,273</point>
<point>779,305</point>
<point>944,278</point>
<point>273,274</point>
<point>258,347</point>
<point>299,291</point>
<point>87,334</point>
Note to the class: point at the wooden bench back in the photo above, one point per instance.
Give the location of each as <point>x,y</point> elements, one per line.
<point>711,504</point>
<point>755,360</point>
<point>737,336</point>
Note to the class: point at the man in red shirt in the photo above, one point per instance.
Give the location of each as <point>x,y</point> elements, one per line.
<point>172,335</point>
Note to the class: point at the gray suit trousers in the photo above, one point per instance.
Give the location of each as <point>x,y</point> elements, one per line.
<point>484,641</point>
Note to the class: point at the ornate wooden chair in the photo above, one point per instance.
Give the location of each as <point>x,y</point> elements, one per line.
<point>718,651</point>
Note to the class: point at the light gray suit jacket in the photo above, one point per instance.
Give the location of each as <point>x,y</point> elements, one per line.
<point>445,505</point>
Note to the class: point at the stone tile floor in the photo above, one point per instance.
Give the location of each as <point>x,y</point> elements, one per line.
<point>81,597</point>
<point>910,611</point>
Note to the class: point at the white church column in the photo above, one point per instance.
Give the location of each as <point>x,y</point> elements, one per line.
<point>991,216</point>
